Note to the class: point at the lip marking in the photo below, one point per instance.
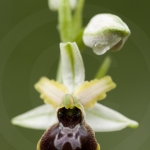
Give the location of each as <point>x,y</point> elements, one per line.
<point>74,140</point>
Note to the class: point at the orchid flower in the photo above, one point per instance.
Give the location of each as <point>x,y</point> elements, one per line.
<point>71,111</point>
<point>99,117</point>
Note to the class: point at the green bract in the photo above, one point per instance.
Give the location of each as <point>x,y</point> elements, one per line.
<point>74,91</point>
<point>105,32</point>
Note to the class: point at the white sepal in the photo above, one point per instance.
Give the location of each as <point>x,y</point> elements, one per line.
<point>41,117</point>
<point>73,73</point>
<point>103,119</point>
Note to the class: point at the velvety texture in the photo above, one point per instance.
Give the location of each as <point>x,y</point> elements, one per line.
<point>71,133</point>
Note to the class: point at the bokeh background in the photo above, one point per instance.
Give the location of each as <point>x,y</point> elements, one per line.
<point>29,49</point>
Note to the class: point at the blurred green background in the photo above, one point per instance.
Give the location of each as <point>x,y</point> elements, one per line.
<point>29,49</point>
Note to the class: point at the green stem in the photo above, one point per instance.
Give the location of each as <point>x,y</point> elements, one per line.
<point>103,68</point>
<point>79,40</point>
<point>65,21</point>
<point>69,28</point>
<point>77,18</point>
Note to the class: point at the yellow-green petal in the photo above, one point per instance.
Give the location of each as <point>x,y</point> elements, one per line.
<point>51,91</point>
<point>89,92</point>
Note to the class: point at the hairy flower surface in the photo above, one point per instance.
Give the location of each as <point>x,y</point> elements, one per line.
<point>71,132</point>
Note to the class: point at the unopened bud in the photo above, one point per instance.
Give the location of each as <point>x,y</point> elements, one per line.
<point>54,4</point>
<point>105,32</point>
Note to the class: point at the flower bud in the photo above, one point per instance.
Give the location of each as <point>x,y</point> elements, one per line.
<point>54,4</point>
<point>105,32</point>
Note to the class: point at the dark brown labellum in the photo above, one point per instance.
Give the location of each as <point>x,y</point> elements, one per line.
<point>71,133</point>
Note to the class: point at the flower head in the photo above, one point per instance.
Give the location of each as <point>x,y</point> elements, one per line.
<point>85,94</point>
<point>71,110</point>
<point>105,32</point>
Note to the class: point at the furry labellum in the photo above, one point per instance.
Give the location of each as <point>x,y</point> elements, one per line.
<point>70,133</point>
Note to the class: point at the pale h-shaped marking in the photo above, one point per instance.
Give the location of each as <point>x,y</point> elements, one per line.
<point>65,131</point>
